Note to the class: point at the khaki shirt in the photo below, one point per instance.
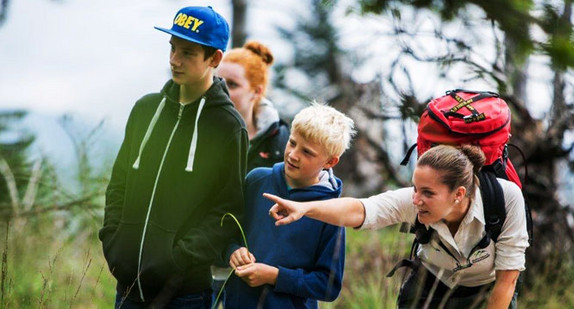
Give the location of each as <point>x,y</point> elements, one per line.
<point>456,267</point>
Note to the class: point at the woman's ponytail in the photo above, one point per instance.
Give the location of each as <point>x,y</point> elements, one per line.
<point>458,166</point>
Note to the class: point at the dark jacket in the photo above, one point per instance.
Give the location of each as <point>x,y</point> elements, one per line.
<point>265,149</point>
<point>268,145</point>
<point>310,254</point>
<point>268,148</point>
<point>168,192</point>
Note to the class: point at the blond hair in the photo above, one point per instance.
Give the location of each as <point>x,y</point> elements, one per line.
<point>325,125</point>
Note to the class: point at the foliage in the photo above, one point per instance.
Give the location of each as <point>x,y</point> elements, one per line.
<point>513,17</point>
<point>46,268</point>
<point>72,273</point>
<point>13,146</point>
<point>52,230</point>
<point>322,70</point>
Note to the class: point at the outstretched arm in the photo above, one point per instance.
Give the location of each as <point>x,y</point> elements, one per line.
<point>346,211</point>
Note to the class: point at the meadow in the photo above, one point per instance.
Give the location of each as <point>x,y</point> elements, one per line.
<point>51,261</point>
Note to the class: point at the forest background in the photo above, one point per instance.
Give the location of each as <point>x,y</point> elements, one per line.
<point>378,61</point>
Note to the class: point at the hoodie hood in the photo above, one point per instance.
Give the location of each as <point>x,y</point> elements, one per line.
<point>329,186</point>
<point>266,116</point>
<point>215,96</point>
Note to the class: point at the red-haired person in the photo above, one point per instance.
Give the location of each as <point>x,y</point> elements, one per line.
<point>246,73</point>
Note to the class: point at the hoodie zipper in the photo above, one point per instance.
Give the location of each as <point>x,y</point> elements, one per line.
<point>181,107</point>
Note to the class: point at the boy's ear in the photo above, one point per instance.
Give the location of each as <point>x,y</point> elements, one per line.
<point>331,162</point>
<point>216,58</point>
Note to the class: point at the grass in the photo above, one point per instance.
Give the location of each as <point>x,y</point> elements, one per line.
<point>372,254</point>
<point>46,266</point>
<point>50,269</point>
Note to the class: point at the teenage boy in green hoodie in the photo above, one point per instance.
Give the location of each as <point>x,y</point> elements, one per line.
<point>179,170</point>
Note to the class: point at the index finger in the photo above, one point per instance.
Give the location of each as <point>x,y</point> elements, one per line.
<point>272,197</point>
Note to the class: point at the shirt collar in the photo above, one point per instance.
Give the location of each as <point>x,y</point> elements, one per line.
<point>475,210</point>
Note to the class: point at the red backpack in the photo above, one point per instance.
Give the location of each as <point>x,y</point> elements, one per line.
<point>469,117</point>
<point>479,118</point>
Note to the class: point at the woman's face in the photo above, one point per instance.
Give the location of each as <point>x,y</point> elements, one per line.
<point>240,92</point>
<point>432,198</point>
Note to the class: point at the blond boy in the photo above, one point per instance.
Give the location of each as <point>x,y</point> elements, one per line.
<point>296,265</point>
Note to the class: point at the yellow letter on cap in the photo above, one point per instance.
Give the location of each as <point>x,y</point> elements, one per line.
<point>196,24</point>
<point>188,22</point>
<point>176,20</point>
<point>181,21</point>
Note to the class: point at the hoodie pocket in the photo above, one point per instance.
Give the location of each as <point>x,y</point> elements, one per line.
<point>121,252</point>
<point>158,264</point>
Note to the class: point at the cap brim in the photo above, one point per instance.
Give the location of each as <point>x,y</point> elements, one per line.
<point>181,36</point>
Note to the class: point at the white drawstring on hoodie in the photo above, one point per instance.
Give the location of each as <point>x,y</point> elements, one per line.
<point>189,167</point>
<point>148,132</point>
<point>192,146</point>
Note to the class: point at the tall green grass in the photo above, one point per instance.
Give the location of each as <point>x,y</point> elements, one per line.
<point>372,254</point>
<point>47,267</point>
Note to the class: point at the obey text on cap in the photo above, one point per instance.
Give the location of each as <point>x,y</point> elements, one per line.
<point>185,21</point>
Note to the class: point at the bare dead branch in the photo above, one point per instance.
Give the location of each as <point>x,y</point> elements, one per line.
<point>42,209</point>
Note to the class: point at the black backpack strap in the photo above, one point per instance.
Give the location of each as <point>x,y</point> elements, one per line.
<point>525,179</point>
<point>422,235</point>
<point>462,103</point>
<point>493,203</point>
<point>410,263</point>
<point>486,93</point>
<point>405,160</point>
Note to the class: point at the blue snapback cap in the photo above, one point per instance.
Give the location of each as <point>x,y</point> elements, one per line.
<point>200,24</point>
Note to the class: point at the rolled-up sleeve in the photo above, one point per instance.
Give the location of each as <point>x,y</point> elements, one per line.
<point>388,208</point>
<point>513,239</point>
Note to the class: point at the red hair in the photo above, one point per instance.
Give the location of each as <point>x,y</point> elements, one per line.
<point>255,58</point>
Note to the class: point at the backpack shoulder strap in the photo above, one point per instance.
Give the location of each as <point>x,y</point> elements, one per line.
<point>422,235</point>
<point>405,160</point>
<point>493,203</point>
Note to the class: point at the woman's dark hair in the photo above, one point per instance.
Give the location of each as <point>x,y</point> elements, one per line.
<point>457,166</point>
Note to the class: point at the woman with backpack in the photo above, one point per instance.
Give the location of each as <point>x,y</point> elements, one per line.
<point>456,264</point>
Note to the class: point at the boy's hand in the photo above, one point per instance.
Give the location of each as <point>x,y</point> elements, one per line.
<point>285,211</point>
<point>256,274</point>
<point>240,257</point>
